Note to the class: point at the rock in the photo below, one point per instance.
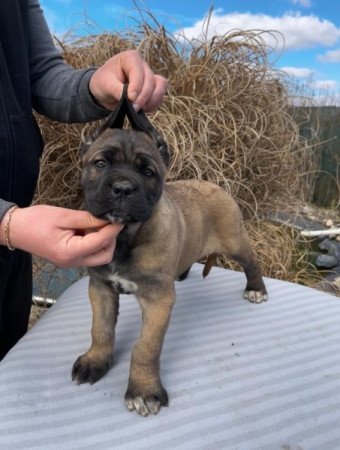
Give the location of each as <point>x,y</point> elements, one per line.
<point>336,270</point>
<point>307,210</point>
<point>337,238</point>
<point>332,247</point>
<point>337,250</point>
<point>326,261</point>
<point>329,223</point>
<point>327,245</point>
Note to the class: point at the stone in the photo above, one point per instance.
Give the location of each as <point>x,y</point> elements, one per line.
<point>331,246</point>
<point>307,210</point>
<point>326,261</point>
<point>329,223</point>
<point>327,245</point>
<point>336,270</point>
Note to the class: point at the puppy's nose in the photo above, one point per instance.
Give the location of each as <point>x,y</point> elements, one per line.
<point>122,189</point>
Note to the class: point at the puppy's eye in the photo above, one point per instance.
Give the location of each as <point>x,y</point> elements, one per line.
<point>148,172</point>
<point>100,163</point>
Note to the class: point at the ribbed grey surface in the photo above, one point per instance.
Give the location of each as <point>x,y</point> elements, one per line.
<point>239,376</point>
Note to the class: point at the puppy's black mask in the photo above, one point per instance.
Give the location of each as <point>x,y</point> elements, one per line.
<point>124,170</point>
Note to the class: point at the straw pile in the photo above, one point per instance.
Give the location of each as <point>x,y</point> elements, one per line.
<point>226,119</point>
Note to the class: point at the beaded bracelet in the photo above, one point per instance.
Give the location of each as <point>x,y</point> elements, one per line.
<point>10,212</point>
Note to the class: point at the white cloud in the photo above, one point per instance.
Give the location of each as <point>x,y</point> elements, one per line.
<point>325,85</point>
<point>299,31</point>
<point>332,56</point>
<point>303,3</point>
<point>298,72</point>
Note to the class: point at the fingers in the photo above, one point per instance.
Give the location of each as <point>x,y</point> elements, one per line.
<point>93,249</point>
<point>67,238</point>
<point>151,94</point>
<point>81,220</point>
<point>155,100</point>
<point>106,84</point>
<point>146,90</point>
<point>138,74</point>
<point>100,257</point>
<point>90,248</point>
<point>141,84</point>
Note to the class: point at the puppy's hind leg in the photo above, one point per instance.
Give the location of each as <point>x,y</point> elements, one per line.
<point>255,290</point>
<point>184,275</point>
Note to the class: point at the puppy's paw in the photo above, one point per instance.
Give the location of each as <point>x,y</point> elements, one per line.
<point>144,404</point>
<point>90,370</point>
<point>255,296</point>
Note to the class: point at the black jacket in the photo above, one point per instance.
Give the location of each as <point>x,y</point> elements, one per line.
<point>20,140</point>
<point>33,75</point>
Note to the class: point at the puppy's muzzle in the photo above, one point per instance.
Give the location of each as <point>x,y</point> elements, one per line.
<point>122,189</point>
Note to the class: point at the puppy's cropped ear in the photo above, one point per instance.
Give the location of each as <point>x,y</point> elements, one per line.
<point>139,122</point>
<point>83,148</point>
<point>116,118</point>
<point>87,140</point>
<point>163,151</point>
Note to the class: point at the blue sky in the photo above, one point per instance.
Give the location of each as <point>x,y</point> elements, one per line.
<point>311,28</point>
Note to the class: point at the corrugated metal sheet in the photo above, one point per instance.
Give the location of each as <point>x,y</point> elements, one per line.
<point>239,376</point>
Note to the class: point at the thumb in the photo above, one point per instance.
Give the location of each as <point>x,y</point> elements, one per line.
<point>80,220</point>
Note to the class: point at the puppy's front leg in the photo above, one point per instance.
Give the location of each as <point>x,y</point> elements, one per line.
<point>145,392</point>
<point>91,366</point>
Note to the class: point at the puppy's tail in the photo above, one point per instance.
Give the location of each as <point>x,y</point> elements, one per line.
<point>208,265</point>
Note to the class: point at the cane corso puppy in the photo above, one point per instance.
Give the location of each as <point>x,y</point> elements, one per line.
<point>168,227</point>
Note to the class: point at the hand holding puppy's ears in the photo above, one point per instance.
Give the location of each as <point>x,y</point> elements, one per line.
<point>139,122</point>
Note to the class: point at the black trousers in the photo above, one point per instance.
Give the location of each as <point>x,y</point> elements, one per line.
<point>15,296</point>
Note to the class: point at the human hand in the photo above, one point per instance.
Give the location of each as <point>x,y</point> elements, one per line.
<point>66,237</point>
<point>146,90</point>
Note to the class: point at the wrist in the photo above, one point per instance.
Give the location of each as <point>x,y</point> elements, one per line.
<point>5,228</point>
<point>2,228</point>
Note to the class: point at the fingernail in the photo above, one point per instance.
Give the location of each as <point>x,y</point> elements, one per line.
<point>136,107</point>
<point>132,96</point>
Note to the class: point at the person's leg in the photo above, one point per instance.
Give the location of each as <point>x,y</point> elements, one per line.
<point>15,296</point>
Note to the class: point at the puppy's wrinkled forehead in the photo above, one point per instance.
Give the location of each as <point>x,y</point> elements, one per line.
<point>121,146</point>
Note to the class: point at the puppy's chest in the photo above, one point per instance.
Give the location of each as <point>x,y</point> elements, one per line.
<point>119,273</point>
<point>120,280</point>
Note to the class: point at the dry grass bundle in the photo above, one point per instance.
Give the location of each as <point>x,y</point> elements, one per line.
<point>226,119</point>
